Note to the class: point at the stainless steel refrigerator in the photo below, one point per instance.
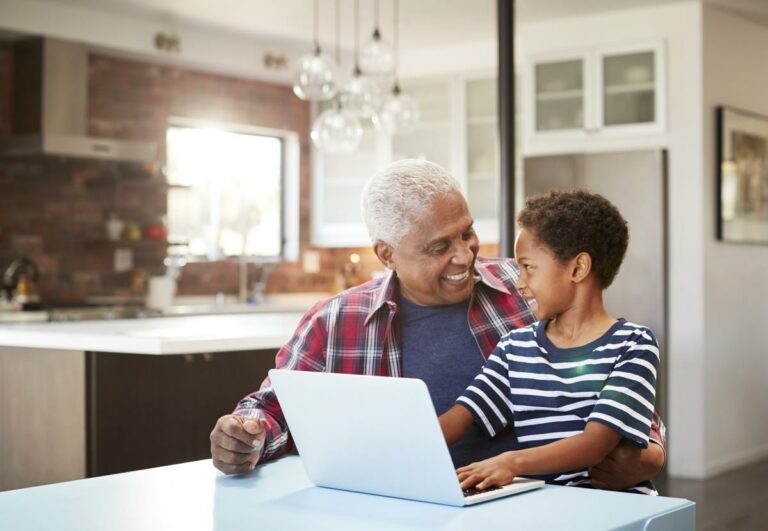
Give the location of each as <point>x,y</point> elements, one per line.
<point>635,181</point>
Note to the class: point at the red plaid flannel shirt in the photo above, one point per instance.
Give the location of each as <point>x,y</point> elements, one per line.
<point>356,332</point>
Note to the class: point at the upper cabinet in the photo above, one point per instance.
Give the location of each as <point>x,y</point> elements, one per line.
<point>593,95</point>
<point>457,129</point>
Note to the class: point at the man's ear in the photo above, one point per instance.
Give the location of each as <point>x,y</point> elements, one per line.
<point>384,254</point>
<point>581,265</point>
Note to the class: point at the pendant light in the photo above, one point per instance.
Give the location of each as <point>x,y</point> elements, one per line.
<point>360,95</point>
<point>316,77</point>
<point>399,113</point>
<point>337,130</point>
<point>376,57</point>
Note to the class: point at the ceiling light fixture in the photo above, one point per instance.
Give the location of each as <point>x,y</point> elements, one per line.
<point>360,95</point>
<point>316,77</point>
<point>399,112</point>
<point>337,130</point>
<point>376,57</point>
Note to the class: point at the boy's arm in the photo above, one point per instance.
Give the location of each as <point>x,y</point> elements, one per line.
<point>455,422</point>
<point>579,451</point>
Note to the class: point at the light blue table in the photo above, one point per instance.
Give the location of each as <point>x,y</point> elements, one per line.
<point>194,496</point>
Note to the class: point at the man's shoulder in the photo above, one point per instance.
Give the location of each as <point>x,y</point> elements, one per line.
<point>356,300</point>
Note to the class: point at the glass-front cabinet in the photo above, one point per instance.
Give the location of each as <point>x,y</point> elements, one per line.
<point>559,95</point>
<point>597,92</point>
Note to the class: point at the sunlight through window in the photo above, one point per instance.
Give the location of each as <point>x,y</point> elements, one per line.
<point>224,196</point>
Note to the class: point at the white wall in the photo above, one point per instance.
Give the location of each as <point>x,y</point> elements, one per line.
<point>736,275</point>
<point>679,25</point>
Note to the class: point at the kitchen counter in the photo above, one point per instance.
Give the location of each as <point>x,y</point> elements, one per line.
<point>164,335</point>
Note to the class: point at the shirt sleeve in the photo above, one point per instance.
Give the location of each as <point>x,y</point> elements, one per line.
<point>305,351</point>
<point>626,402</point>
<point>487,397</point>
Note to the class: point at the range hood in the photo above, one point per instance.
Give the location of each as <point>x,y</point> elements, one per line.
<point>50,103</point>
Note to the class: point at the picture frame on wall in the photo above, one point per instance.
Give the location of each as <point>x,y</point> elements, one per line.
<point>742,176</point>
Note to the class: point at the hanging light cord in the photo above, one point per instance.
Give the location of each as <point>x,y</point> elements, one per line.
<point>396,39</point>
<point>316,24</point>
<point>338,33</point>
<point>376,34</point>
<point>357,71</point>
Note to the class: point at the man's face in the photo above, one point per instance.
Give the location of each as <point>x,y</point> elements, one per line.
<point>434,260</point>
<point>545,282</point>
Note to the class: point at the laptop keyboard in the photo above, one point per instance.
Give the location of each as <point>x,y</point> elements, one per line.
<point>472,491</point>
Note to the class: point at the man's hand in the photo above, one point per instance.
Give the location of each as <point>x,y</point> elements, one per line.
<point>236,444</point>
<point>627,465</point>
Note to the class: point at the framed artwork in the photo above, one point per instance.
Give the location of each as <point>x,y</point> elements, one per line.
<point>742,176</point>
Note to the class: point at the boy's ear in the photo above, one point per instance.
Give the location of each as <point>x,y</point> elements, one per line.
<point>384,254</point>
<point>581,266</point>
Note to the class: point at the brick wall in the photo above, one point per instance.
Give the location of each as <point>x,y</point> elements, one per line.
<point>54,210</point>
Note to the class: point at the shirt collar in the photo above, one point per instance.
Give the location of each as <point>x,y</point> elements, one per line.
<point>484,275</point>
<point>386,292</point>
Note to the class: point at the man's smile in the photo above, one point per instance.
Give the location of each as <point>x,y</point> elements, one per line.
<point>458,277</point>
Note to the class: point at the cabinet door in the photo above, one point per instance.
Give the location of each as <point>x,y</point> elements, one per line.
<point>337,184</point>
<point>433,137</point>
<point>630,82</point>
<point>559,94</point>
<point>482,152</point>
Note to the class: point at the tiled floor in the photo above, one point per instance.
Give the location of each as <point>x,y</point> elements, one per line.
<point>736,500</point>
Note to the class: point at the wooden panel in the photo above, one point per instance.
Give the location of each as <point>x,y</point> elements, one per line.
<point>42,417</point>
<point>148,411</point>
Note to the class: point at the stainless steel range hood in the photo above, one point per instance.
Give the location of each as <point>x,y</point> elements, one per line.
<point>50,99</point>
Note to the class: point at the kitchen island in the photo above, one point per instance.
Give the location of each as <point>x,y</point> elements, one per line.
<point>88,398</point>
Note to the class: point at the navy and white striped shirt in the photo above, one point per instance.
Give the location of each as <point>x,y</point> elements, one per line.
<point>550,393</point>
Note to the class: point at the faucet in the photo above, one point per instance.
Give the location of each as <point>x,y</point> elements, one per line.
<point>263,269</point>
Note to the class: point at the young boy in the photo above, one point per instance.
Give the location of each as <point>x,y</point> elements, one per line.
<point>576,382</point>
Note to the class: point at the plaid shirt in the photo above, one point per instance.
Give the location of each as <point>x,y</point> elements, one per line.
<point>356,332</point>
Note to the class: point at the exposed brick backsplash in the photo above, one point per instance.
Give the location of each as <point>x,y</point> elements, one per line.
<point>54,209</point>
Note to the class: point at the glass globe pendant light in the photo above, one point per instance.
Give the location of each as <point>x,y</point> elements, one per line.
<point>377,57</point>
<point>316,77</point>
<point>360,95</point>
<point>337,130</point>
<point>399,113</point>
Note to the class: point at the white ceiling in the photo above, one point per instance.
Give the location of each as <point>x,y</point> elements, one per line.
<point>423,23</point>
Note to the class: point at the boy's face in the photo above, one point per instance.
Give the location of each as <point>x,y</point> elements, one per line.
<point>544,282</point>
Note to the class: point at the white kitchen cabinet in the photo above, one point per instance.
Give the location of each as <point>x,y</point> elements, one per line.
<point>337,184</point>
<point>579,98</point>
<point>457,129</point>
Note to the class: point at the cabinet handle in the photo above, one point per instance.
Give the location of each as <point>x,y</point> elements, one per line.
<point>207,356</point>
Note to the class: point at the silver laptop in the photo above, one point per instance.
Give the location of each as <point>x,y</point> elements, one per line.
<point>375,435</point>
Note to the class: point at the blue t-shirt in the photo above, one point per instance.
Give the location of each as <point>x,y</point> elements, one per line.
<point>550,393</point>
<point>439,348</point>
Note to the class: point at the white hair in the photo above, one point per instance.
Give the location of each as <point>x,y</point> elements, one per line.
<point>399,192</point>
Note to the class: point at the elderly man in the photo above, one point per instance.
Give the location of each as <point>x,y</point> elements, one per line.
<point>436,316</point>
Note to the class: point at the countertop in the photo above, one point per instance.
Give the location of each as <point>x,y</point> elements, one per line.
<point>278,495</point>
<point>162,335</point>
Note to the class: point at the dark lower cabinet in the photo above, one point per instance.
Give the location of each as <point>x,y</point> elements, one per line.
<point>145,411</point>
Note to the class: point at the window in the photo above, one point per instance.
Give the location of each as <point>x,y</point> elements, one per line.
<point>232,191</point>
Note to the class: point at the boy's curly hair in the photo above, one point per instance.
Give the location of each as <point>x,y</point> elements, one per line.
<point>569,222</point>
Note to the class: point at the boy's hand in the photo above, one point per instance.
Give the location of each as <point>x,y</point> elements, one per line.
<point>494,472</point>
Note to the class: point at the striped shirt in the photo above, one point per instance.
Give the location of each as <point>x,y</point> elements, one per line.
<point>550,393</point>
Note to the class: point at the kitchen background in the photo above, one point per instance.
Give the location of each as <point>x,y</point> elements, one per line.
<point>55,209</point>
